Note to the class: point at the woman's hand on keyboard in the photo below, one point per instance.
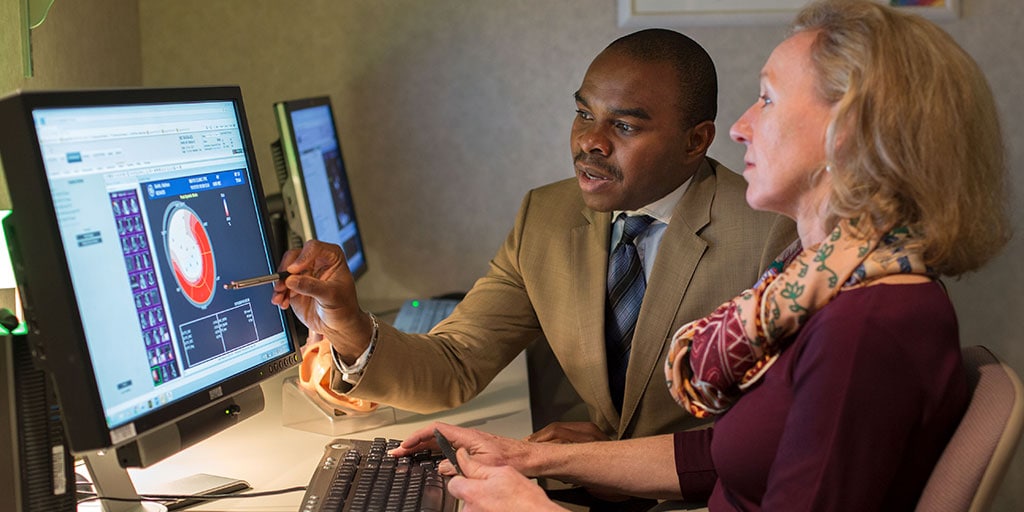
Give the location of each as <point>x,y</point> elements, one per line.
<point>486,448</point>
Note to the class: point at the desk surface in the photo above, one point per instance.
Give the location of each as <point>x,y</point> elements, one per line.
<point>269,455</point>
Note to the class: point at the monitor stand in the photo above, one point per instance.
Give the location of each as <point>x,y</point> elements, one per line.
<point>112,480</point>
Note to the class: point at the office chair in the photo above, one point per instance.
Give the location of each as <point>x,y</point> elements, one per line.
<point>973,464</point>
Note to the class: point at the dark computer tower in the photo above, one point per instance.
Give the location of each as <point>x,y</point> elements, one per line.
<point>36,465</point>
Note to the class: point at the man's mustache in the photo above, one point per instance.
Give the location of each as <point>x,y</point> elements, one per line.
<point>597,162</point>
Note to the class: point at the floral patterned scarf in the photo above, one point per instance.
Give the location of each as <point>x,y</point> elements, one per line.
<point>714,359</point>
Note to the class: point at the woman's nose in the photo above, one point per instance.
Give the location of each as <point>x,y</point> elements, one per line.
<point>740,130</point>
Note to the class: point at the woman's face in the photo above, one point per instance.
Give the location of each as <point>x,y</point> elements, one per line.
<point>784,132</point>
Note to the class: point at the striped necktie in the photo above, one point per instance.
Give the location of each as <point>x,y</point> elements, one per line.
<point>626,286</point>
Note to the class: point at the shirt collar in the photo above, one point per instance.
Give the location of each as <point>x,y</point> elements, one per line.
<point>661,209</point>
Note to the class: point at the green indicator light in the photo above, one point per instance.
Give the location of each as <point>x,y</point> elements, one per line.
<point>21,329</point>
<point>415,303</point>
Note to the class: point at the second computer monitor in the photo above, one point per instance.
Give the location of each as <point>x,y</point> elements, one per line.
<point>314,184</point>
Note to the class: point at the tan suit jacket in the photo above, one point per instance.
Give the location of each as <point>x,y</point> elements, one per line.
<point>548,279</point>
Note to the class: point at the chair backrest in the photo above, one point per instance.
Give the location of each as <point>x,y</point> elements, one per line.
<point>973,464</point>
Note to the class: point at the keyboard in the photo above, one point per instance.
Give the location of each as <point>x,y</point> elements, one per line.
<point>358,475</point>
<point>417,316</point>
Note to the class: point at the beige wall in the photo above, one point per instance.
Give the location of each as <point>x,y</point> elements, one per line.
<point>450,110</point>
<point>92,43</point>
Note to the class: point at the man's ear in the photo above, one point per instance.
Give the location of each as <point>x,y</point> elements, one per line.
<point>699,139</point>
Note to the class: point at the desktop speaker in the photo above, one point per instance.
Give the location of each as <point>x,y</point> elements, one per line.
<point>36,465</point>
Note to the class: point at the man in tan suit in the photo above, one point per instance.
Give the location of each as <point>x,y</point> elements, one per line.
<point>645,119</point>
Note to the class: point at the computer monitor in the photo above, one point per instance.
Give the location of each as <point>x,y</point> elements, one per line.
<point>314,184</point>
<point>131,210</point>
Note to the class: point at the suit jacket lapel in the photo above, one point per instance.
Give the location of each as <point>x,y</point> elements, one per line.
<point>590,257</point>
<point>679,253</point>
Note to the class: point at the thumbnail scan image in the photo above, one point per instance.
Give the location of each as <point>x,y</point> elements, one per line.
<point>135,246</point>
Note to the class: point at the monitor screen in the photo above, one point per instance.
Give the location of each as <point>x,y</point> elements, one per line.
<point>131,210</point>
<point>314,184</point>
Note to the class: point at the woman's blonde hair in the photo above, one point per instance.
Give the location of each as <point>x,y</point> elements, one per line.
<point>916,140</point>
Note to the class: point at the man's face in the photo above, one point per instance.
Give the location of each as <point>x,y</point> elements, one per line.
<point>628,141</point>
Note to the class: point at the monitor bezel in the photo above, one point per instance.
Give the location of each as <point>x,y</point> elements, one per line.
<point>295,178</point>
<point>56,332</point>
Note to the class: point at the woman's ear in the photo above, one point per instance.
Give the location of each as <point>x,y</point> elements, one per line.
<point>836,132</point>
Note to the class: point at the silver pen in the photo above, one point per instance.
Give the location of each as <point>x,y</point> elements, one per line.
<point>256,281</point>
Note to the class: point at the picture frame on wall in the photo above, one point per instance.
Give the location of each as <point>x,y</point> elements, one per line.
<point>648,13</point>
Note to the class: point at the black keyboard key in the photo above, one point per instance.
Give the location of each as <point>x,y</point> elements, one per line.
<point>432,498</point>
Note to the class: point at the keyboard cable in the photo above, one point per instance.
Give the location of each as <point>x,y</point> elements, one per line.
<point>203,497</point>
